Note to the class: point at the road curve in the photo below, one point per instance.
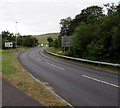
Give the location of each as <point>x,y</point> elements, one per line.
<point>79,85</point>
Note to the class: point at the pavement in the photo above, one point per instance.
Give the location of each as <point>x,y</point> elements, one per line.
<point>79,85</point>
<point>11,96</point>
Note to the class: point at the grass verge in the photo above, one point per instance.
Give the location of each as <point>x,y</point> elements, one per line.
<point>14,50</point>
<point>96,66</point>
<point>7,51</point>
<point>13,72</point>
<point>57,51</point>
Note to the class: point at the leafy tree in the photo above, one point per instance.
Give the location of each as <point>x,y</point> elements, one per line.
<point>95,35</point>
<point>7,37</point>
<point>82,37</point>
<point>90,15</point>
<point>27,41</point>
<point>56,43</point>
<point>51,42</point>
<point>105,46</point>
<point>50,39</point>
<point>65,23</point>
<point>110,8</point>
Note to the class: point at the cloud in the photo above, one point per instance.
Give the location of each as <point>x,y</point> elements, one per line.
<point>38,16</point>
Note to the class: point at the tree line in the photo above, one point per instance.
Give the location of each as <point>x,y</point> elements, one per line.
<point>94,35</point>
<point>22,41</point>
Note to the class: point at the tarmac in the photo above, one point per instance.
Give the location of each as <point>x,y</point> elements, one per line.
<point>12,96</point>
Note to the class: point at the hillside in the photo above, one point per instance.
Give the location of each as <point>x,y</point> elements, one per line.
<point>43,38</point>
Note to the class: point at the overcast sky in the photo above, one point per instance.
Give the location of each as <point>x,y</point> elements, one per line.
<point>41,16</point>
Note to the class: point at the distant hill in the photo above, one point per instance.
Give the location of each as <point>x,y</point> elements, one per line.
<point>43,38</point>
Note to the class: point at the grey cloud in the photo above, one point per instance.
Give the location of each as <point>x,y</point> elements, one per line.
<point>38,16</point>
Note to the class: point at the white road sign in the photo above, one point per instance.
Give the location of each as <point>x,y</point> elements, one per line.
<point>8,44</point>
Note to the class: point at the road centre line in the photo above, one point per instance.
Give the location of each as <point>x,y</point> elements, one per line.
<point>55,65</point>
<point>48,63</point>
<point>37,57</point>
<point>114,85</point>
<point>33,54</point>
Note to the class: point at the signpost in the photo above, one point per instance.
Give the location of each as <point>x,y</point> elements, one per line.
<point>66,42</point>
<point>16,34</point>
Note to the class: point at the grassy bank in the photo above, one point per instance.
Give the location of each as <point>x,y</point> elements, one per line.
<point>14,50</point>
<point>14,73</point>
<point>103,67</point>
<point>57,51</point>
<point>6,51</point>
<point>43,38</point>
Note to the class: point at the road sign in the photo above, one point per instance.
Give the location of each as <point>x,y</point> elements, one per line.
<point>66,41</point>
<point>8,44</point>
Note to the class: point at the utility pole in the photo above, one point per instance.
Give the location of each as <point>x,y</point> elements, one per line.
<point>16,33</point>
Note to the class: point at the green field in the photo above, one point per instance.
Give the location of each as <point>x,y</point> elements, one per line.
<point>43,38</point>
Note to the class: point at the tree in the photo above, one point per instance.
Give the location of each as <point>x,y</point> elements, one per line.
<point>82,37</point>
<point>56,43</point>
<point>65,23</point>
<point>7,37</point>
<point>50,40</point>
<point>105,46</point>
<point>90,15</point>
<point>111,8</point>
<point>27,41</point>
<point>95,35</point>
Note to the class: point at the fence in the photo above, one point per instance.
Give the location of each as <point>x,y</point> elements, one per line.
<point>84,60</point>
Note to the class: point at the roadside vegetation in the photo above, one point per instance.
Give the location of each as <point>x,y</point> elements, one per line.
<point>57,51</point>
<point>18,41</point>
<point>96,66</point>
<point>42,39</point>
<point>14,73</point>
<point>14,49</point>
<point>93,34</point>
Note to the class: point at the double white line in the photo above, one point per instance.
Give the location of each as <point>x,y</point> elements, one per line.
<point>48,62</point>
<point>37,57</point>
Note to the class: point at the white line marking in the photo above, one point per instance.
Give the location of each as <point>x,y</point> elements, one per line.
<point>36,57</point>
<point>55,66</point>
<point>33,54</point>
<point>114,85</point>
<point>51,90</point>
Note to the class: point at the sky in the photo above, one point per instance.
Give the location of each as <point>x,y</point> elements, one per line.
<point>37,17</point>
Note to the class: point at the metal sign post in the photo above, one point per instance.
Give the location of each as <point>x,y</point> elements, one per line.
<point>16,34</point>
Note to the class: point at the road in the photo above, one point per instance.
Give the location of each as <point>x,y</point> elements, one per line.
<point>12,96</point>
<point>79,85</point>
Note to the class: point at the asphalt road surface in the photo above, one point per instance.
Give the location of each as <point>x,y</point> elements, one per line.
<point>11,96</point>
<point>79,85</point>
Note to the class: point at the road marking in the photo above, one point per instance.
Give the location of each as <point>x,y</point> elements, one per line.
<point>33,54</point>
<point>114,85</point>
<point>36,57</point>
<point>51,90</point>
<point>55,66</point>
